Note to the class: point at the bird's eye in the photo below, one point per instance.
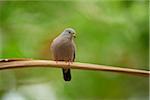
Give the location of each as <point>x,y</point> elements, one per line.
<point>69,32</point>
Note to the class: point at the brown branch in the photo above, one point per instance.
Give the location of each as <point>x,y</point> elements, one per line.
<point>9,64</point>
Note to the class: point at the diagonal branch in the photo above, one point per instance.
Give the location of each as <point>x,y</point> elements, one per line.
<point>9,64</point>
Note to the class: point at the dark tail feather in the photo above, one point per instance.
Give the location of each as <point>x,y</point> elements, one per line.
<point>67,74</point>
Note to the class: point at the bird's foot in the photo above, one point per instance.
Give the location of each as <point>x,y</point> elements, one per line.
<point>69,63</point>
<point>56,62</point>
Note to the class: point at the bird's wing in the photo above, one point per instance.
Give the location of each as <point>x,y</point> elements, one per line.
<point>74,52</point>
<point>74,55</point>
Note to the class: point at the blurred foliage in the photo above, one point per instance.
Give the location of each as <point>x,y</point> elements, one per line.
<point>108,32</point>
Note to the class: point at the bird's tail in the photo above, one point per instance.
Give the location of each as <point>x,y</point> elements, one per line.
<point>67,74</point>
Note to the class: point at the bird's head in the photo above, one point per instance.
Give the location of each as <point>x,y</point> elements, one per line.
<point>69,32</point>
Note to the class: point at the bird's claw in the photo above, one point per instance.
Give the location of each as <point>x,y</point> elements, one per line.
<point>56,62</point>
<point>69,63</point>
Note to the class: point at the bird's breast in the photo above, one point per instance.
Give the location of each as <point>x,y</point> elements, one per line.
<point>63,50</point>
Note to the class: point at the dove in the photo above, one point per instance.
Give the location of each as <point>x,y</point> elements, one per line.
<point>63,49</point>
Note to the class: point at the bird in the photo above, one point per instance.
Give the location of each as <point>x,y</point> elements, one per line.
<point>63,49</point>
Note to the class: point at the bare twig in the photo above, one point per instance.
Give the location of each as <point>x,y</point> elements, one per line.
<point>75,65</point>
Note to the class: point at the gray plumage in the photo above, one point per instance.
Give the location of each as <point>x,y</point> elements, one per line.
<point>63,49</point>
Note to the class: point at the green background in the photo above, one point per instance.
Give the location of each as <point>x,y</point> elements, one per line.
<point>108,32</point>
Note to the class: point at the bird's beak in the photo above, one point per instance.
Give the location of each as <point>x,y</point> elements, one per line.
<point>74,35</point>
